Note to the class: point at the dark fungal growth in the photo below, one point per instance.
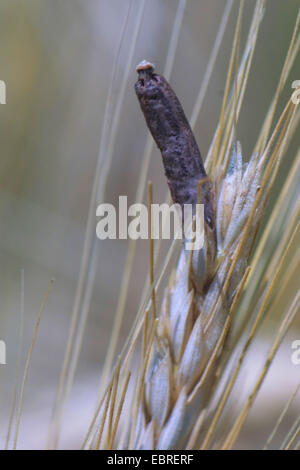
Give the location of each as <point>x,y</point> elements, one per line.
<point>173,135</point>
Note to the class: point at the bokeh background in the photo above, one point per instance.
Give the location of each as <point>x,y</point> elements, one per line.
<point>56,58</point>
